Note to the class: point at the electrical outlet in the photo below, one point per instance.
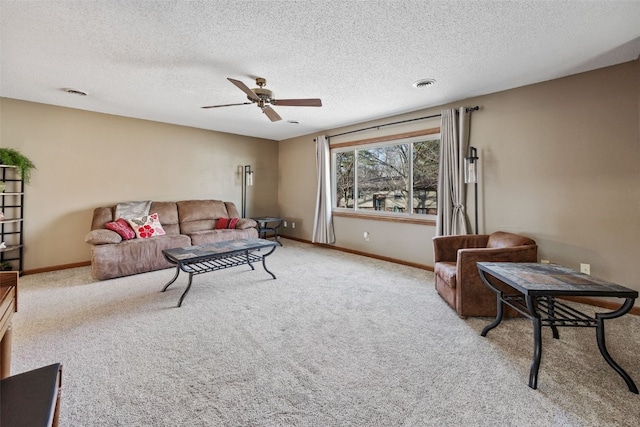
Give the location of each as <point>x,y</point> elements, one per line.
<point>544,261</point>
<point>585,268</point>
<point>293,225</point>
<point>284,223</point>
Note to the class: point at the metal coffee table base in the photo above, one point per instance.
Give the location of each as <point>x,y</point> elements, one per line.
<point>214,262</point>
<point>559,314</point>
<point>545,310</point>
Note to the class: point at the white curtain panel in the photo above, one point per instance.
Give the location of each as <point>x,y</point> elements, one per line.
<point>323,224</point>
<point>451,219</point>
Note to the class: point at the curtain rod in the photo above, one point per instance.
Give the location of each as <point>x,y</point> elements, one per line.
<point>468,110</point>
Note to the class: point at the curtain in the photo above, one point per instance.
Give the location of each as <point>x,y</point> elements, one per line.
<point>323,223</point>
<point>454,140</point>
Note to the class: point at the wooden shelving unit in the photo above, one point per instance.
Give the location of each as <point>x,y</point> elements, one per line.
<point>11,227</point>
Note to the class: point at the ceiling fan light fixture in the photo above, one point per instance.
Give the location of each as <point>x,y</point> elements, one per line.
<point>423,83</point>
<point>263,97</point>
<point>263,93</point>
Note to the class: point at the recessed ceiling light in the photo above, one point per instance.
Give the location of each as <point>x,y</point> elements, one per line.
<point>293,122</point>
<point>74,91</point>
<point>422,83</point>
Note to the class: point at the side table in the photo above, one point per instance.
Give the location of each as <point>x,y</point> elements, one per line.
<point>269,225</point>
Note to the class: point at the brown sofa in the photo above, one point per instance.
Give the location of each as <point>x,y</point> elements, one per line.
<point>186,223</point>
<point>456,274</point>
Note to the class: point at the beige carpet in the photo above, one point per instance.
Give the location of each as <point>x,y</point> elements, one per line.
<point>335,340</point>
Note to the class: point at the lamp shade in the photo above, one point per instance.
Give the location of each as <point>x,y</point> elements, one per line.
<point>471,167</point>
<point>248,175</point>
<point>470,171</point>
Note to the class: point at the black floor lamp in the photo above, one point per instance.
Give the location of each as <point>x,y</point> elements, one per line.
<point>471,177</point>
<point>247,181</point>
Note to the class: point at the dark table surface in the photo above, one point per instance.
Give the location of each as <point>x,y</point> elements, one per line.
<point>193,253</point>
<point>553,280</point>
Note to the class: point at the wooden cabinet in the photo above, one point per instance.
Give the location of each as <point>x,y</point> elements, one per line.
<point>12,217</point>
<point>8,306</point>
<point>30,399</point>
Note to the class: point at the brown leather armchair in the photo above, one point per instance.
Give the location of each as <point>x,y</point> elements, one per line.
<point>456,274</point>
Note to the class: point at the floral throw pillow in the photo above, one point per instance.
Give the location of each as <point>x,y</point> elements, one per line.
<point>147,226</point>
<point>121,227</point>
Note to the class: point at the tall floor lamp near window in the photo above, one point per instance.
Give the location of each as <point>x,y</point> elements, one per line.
<point>247,181</point>
<point>471,177</point>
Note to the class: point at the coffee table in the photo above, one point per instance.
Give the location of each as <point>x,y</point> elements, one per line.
<point>537,287</point>
<point>202,259</point>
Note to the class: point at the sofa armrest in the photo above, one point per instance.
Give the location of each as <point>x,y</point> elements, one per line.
<point>244,223</point>
<point>445,248</point>
<point>102,237</point>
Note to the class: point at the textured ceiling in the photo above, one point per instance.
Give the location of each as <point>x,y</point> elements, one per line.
<point>163,60</point>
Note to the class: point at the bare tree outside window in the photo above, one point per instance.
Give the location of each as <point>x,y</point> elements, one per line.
<point>394,178</point>
<point>426,165</point>
<point>383,178</point>
<point>345,179</point>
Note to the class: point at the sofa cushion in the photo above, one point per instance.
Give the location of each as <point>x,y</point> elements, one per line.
<point>200,215</point>
<point>122,227</point>
<point>212,236</point>
<point>102,237</point>
<point>100,217</point>
<point>168,216</point>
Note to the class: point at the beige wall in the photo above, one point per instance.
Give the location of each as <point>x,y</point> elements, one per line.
<point>559,161</point>
<point>85,160</point>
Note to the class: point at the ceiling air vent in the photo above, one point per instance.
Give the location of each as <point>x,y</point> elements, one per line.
<point>422,83</point>
<point>75,92</point>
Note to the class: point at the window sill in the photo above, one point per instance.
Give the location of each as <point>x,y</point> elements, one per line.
<point>406,219</point>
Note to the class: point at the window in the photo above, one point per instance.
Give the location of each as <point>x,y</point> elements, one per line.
<point>396,176</point>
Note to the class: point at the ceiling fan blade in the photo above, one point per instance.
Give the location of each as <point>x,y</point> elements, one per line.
<point>271,113</point>
<point>243,87</point>
<point>311,102</point>
<point>227,105</point>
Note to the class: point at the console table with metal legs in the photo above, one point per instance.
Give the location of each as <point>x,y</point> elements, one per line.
<point>537,287</point>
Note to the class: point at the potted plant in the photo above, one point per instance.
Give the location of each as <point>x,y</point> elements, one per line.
<point>12,157</point>
<point>5,266</point>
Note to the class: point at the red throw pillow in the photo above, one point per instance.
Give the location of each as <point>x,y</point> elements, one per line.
<point>222,223</point>
<point>226,223</point>
<point>122,227</point>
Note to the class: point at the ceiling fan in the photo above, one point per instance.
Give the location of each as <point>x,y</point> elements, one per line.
<point>263,96</point>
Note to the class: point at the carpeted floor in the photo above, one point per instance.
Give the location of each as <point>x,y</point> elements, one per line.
<point>336,340</point>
